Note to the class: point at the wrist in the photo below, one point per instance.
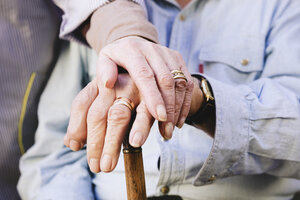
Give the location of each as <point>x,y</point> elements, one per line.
<point>197,98</point>
<point>203,115</point>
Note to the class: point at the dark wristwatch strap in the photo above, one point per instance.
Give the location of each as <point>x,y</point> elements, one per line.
<point>205,117</point>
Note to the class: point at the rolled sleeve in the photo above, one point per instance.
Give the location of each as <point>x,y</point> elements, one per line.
<point>76,12</point>
<point>258,123</point>
<point>257,131</point>
<point>231,134</point>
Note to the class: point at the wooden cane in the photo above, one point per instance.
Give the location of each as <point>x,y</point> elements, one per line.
<point>134,169</point>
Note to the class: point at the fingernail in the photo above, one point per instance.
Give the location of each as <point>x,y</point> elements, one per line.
<point>181,122</point>
<point>169,130</point>
<point>94,165</point>
<point>137,140</point>
<point>105,163</point>
<point>161,112</point>
<point>74,145</point>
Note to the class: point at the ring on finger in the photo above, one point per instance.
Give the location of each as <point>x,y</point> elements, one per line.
<point>124,101</point>
<point>178,74</point>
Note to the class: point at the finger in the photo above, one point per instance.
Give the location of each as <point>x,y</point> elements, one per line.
<point>107,71</point>
<point>135,63</point>
<point>160,60</point>
<point>118,120</point>
<point>183,89</point>
<point>141,126</point>
<point>187,98</point>
<point>96,127</point>
<point>180,84</point>
<point>76,132</point>
<point>117,123</point>
<point>180,92</point>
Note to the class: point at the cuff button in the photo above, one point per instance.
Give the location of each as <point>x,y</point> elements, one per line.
<point>212,178</point>
<point>165,189</point>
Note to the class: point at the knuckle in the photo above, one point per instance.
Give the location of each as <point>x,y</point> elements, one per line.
<point>145,73</point>
<point>73,134</point>
<point>91,116</point>
<point>181,85</point>
<point>177,55</point>
<point>166,81</point>
<point>131,43</point>
<point>82,99</point>
<point>118,114</point>
<point>94,116</point>
<point>77,134</point>
<point>170,109</point>
<point>152,46</point>
<point>95,136</point>
<point>88,92</point>
<point>77,103</point>
<point>112,139</point>
<point>94,146</point>
<point>113,142</point>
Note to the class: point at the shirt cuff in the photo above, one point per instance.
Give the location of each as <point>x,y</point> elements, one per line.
<point>76,13</point>
<point>231,136</point>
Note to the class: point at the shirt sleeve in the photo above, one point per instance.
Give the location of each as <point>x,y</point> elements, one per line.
<point>258,124</point>
<point>76,12</point>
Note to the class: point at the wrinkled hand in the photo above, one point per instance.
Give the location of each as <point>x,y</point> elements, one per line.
<point>107,122</point>
<point>150,66</point>
<point>96,120</point>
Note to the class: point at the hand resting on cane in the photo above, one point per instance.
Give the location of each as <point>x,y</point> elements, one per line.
<point>152,79</point>
<point>107,121</point>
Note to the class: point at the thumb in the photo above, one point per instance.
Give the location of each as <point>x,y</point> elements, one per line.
<point>107,72</point>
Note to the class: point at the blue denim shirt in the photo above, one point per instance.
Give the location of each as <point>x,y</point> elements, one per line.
<point>249,50</point>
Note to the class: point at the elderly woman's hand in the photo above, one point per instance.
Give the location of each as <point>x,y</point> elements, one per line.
<point>149,66</point>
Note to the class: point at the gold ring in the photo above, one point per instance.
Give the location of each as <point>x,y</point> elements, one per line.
<point>178,74</point>
<point>124,101</point>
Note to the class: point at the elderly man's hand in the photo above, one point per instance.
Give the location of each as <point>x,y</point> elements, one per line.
<point>107,122</point>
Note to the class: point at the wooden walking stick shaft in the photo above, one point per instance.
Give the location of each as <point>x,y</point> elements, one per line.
<point>134,169</point>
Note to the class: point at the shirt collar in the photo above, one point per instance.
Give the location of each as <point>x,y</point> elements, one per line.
<point>174,2</point>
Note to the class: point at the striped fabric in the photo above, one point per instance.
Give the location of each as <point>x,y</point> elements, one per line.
<point>28,34</point>
<point>28,49</point>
